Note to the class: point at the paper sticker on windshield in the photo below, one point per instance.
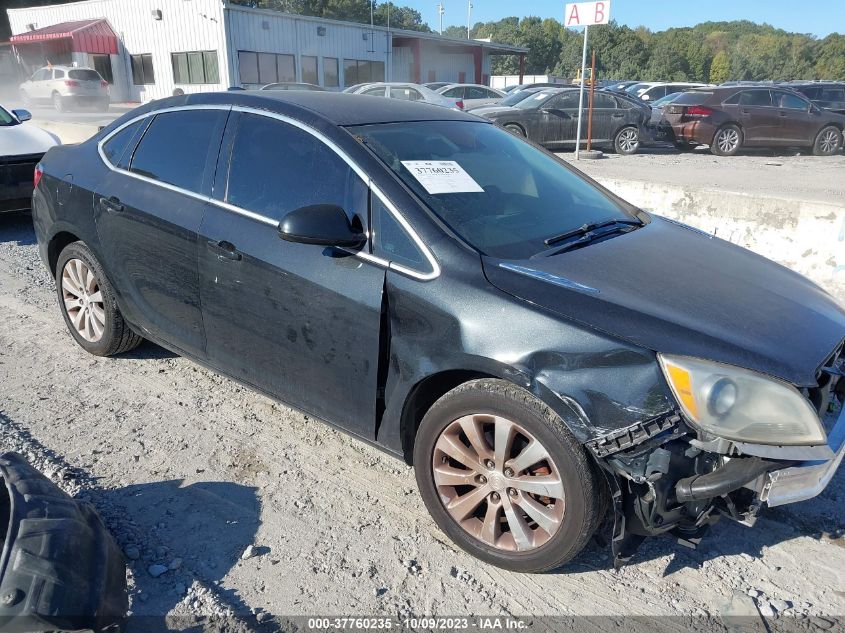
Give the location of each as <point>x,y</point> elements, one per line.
<point>442,176</point>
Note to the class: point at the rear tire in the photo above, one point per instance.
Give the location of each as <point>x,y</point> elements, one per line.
<point>509,524</point>
<point>627,141</point>
<point>828,141</point>
<point>727,140</point>
<point>59,103</point>
<point>88,305</point>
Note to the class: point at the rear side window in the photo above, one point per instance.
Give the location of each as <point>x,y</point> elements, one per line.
<point>392,242</point>
<point>117,144</point>
<point>84,74</point>
<point>276,168</point>
<point>756,98</point>
<point>176,147</point>
<point>833,94</point>
<point>58,74</point>
<point>457,93</point>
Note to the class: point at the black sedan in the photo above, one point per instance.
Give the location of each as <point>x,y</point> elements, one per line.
<point>550,118</point>
<point>543,352</point>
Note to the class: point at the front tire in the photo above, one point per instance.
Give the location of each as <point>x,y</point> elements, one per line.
<point>515,129</point>
<point>727,140</point>
<point>88,305</point>
<point>627,141</point>
<point>828,141</point>
<point>505,479</point>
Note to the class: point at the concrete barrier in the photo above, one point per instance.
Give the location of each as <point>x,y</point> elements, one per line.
<point>806,236</point>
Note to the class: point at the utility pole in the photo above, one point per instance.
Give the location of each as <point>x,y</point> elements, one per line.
<point>469,17</point>
<point>441,11</point>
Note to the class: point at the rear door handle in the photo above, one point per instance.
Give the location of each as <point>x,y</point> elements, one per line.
<point>112,204</point>
<point>225,250</point>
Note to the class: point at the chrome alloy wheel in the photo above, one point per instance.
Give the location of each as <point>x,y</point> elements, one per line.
<point>829,142</point>
<point>629,140</point>
<point>498,482</point>
<point>727,140</point>
<point>83,300</point>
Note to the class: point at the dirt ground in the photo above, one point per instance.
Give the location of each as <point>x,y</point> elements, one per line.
<point>189,469</point>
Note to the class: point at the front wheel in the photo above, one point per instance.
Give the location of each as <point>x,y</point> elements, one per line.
<point>88,304</point>
<point>515,129</point>
<point>828,141</point>
<point>726,141</point>
<point>505,479</point>
<point>627,141</point>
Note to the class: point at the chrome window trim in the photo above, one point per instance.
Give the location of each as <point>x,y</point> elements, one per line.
<point>263,219</point>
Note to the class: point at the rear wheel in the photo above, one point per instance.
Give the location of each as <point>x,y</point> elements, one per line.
<point>513,128</point>
<point>59,103</point>
<point>727,140</point>
<point>88,304</point>
<point>828,141</point>
<point>627,141</point>
<point>505,479</point>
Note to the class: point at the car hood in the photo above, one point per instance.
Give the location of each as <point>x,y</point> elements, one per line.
<point>23,139</point>
<point>673,289</point>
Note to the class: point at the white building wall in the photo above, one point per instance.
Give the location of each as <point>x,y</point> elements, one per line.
<point>446,66</point>
<point>186,25</point>
<point>262,31</point>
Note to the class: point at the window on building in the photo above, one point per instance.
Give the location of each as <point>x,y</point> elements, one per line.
<point>265,68</point>
<point>142,69</point>
<point>350,72</point>
<point>331,77</point>
<point>102,64</point>
<point>309,69</point>
<point>272,161</point>
<point>195,67</point>
<point>286,67</point>
<point>267,73</point>
<point>176,147</point>
<point>248,67</point>
<point>361,71</point>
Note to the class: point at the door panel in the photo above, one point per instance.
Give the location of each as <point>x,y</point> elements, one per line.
<point>797,124</point>
<point>560,118</point>
<point>301,322</point>
<point>148,226</point>
<point>759,119</point>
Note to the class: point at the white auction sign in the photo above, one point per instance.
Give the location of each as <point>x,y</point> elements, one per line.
<point>585,14</point>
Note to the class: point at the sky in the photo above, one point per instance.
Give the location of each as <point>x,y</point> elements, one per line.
<point>818,17</point>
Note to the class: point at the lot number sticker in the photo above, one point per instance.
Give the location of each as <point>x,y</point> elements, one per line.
<point>442,176</point>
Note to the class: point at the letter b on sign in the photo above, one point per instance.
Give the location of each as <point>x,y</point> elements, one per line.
<point>587,13</point>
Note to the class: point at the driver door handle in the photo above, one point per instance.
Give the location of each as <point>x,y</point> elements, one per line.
<point>111,204</point>
<point>225,250</point>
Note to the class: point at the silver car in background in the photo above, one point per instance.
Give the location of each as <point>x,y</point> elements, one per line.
<point>64,86</point>
<point>406,92</point>
<point>472,95</point>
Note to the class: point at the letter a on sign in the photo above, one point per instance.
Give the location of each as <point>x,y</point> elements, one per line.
<point>587,13</point>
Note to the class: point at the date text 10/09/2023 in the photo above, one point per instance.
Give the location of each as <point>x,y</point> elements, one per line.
<point>479,623</point>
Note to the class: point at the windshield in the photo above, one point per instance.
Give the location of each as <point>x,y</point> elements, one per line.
<point>502,195</point>
<point>6,119</point>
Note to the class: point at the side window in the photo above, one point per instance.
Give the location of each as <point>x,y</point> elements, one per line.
<point>756,98</point>
<point>474,92</point>
<point>58,74</point>
<point>603,101</point>
<point>272,169</point>
<point>117,144</point>
<point>392,242</point>
<point>833,94</point>
<point>565,101</point>
<point>790,101</point>
<point>375,92</point>
<point>176,146</point>
<point>455,93</point>
<point>733,99</point>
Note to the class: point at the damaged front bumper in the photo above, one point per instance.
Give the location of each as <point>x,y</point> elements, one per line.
<point>60,568</point>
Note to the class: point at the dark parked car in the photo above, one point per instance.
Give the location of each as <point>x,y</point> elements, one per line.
<point>540,350</point>
<point>22,145</point>
<point>730,118</point>
<point>621,86</point>
<point>550,118</point>
<point>826,95</point>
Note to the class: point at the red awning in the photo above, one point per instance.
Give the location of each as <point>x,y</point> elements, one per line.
<point>85,36</point>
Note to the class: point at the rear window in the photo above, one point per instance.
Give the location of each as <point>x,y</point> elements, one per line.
<point>84,74</point>
<point>694,97</point>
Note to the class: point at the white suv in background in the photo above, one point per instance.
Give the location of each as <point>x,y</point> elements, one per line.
<point>64,86</point>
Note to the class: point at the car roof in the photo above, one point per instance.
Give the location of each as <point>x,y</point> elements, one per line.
<point>335,108</point>
<point>64,67</point>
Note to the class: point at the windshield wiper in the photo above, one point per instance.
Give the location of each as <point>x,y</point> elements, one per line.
<point>587,228</point>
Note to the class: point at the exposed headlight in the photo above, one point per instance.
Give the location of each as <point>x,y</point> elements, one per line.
<point>742,405</point>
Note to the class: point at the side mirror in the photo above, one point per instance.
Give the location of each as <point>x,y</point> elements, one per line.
<point>22,115</point>
<point>322,225</point>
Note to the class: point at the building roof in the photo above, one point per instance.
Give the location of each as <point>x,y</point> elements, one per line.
<point>86,36</point>
<point>491,47</point>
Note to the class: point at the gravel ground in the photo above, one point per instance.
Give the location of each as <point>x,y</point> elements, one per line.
<point>229,504</point>
<point>782,174</point>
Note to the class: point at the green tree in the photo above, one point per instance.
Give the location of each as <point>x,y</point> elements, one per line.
<point>720,68</point>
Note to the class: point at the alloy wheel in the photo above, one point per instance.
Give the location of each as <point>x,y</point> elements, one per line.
<point>498,482</point>
<point>83,300</point>
<point>727,140</point>
<point>629,140</point>
<point>829,142</point>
